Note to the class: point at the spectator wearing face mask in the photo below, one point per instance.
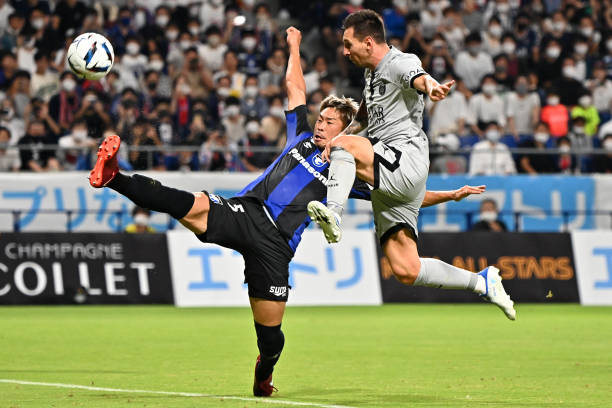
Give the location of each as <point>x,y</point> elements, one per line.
<point>250,58</point>
<point>212,13</point>
<point>504,80</point>
<point>448,115</point>
<point>601,88</point>
<point>431,15</point>
<point>254,158</point>
<point>44,82</point>
<point>570,89</point>
<point>438,61</point>
<point>140,225</point>
<point>15,125</point>
<point>230,70</point>
<point>394,18</point>
<point>565,160</point>
<point>587,110</point>
<point>94,113</point>
<point>121,30</point>
<point>555,115</point>
<point>157,30</point>
<point>233,121</point>
<point>77,147</point>
<point>253,104</point>
<point>603,163</point>
<point>212,52</point>
<point>549,65</point>
<point>491,37</point>
<point>522,109</point>
<point>15,26</point>
<point>489,218</point>
<point>486,106</point>
<point>490,157</point>
<point>452,29</point>
<point>34,157</point>
<point>64,105</point>
<point>537,163</point>
<point>581,58</point>
<point>9,156</point>
<point>472,65</point>
<point>449,162</point>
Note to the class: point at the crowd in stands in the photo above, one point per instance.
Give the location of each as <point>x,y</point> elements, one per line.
<point>199,85</point>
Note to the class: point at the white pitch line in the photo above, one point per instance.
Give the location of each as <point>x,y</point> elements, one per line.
<point>180,394</point>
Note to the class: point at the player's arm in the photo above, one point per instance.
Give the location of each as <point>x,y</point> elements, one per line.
<point>437,197</point>
<point>431,87</point>
<point>359,122</point>
<point>296,87</point>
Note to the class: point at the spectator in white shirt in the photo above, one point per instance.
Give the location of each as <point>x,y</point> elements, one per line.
<point>472,65</point>
<point>486,106</point>
<point>44,82</point>
<point>448,115</point>
<point>601,89</point>
<point>522,109</point>
<point>9,156</point>
<point>212,13</point>
<point>213,51</point>
<point>490,157</point>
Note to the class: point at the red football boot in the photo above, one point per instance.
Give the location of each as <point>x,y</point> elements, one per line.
<point>106,167</point>
<point>263,388</point>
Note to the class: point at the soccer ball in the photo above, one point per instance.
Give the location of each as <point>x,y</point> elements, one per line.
<point>90,56</point>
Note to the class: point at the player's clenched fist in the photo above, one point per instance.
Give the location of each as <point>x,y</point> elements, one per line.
<point>294,37</point>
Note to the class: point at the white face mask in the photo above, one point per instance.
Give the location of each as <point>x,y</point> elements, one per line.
<point>140,19</point>
<point>587,31</point>
<point>581,49</point>
<point>162,20</point>
<point>156,65</point>
<point>251,91</point>
<point>184,88</point>
<point>184,44</point>
<point>277,111</point>
<point>509,47</point>
<point>249,43</point>
<point>553,52</point>
<point>585,101</point>
<point>252,127</point>
<point>607,145</point>
<point>232,110</point>
<point>565,148</point>
<point>356,3</point>
<point>579,130</point>
<point>552,101</point>
<point>37,23</point>
<point>541,137</point>
<point>493,135</point>
<point>141,220</point>
<point>79,135</point>
<point>216,3</point>
<point>214,40</point>
<point>132,48</point>
<point>489,89</point>
<point>503,7</point>
<point>194,30</point>
<point>495,30</point>
<point>172,35</point>
<point>223,92</point>
<point>558,25</point>
<point>249,3</point>
<point>69,85</point>
<point>569,71</point>
<point>488,216</point>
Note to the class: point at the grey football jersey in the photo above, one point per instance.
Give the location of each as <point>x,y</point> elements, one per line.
<point>395,108</point>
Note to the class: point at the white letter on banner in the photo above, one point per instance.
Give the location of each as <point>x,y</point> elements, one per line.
<point>41,279</point>
<point>6,288</point>
<point>58,279</point>
<point>112,279</point>
<point>84,279</point>
<point>143,276</point>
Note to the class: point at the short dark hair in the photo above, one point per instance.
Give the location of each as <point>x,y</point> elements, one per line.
<point>346,107</point>
<point>366,23</point>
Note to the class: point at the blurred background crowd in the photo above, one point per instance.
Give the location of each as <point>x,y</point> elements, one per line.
<point>199,85</point>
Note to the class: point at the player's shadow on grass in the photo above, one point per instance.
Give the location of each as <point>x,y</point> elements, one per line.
<point>69,371</point>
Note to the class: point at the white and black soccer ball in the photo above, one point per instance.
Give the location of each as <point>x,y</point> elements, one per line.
<point>90,56</point>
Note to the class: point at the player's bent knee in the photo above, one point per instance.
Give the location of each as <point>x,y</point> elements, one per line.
<point>407,272</point>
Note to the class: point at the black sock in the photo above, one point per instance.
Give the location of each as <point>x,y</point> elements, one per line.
<point>149,193</point>
<point>270,341</point>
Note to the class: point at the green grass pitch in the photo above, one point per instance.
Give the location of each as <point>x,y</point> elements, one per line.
<point>433,355</point>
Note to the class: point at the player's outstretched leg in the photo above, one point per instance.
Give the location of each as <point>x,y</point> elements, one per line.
<point>270,342</point>
<point>328,220</point>
<point>495,292</point>
<point>143,191</point>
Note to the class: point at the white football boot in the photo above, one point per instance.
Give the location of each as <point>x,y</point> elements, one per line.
<point>495,292</point>
<point>327,220</point>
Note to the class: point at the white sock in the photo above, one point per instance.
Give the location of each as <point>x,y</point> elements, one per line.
<point>437,274</point>
<point>342,170</point>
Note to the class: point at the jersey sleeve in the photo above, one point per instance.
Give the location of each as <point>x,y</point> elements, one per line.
<point>360,190</point>
<point>297,122</point>
<point>405,69</point>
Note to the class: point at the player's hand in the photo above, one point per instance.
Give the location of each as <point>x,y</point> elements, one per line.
<point>465,191</point>
<point>294,37</point>
<point>325,153</point>
<point>440,91</point>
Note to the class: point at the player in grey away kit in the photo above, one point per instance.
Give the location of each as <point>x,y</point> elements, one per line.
<point>394,160</point>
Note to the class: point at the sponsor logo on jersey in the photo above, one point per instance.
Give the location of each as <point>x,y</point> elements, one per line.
<point>297,156</point>
<point>215,199</point>
<point>278,290</point>
<point>318,161</point>
<point>307,145</point>
<point>376,115</point>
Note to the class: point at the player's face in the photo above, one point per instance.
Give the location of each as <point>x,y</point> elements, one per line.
<point>328,126</point>
<point>357,51</point>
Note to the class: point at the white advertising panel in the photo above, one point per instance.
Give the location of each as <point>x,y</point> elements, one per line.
<point>593,260</point>
<point>320,274</point>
